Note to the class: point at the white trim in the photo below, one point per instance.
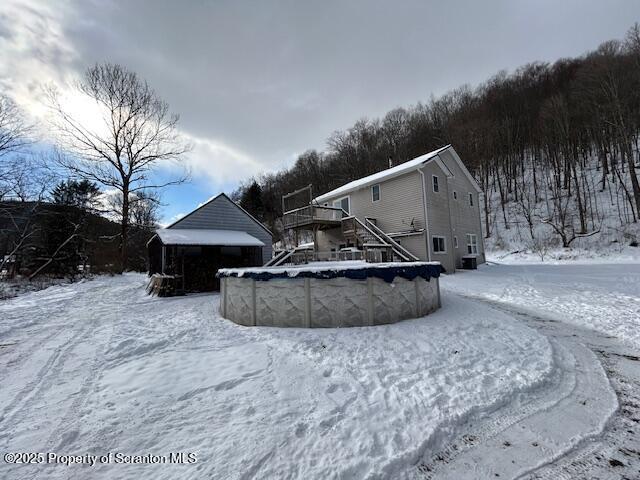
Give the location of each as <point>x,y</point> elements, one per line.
<point>470,243</point>
<point>466,172</point>
<point>151,239</point>
<point>435,181</point>
<point>444,242</point>
<point>426,216</point>
<point>443,166</point>
<point>339,201</point>
<point>379,193</point>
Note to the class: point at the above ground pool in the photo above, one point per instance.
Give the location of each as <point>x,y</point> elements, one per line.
<point>341,294</point>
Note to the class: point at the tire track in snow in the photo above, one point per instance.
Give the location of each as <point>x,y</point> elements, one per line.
<point>547,424</point>
<point>616,453</point>
<point>43,380</point>
<point>51,373</point>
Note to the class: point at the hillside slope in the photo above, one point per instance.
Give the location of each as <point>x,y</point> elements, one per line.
<point>525,227</point>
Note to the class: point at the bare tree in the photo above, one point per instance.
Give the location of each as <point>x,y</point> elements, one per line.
<point>15,135</point>
<point>137,132</point>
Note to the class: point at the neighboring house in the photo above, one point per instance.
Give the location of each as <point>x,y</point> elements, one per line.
<point>429,205</point>
<point>218,234</point>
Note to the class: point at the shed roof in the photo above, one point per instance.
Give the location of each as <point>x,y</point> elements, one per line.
<point>212,200</point>
<point>192,236</point>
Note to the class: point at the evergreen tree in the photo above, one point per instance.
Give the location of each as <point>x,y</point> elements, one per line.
<point>82,194</point>
<point>251,200</point>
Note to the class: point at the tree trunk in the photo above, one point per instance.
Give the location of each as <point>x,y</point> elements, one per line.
<point>581,206</point>
<point>634,180</point>
<point>124,229</point>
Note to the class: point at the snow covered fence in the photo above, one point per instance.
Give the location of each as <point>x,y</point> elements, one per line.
<point>343,294</point>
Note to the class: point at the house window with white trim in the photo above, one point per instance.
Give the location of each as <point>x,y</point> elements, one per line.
<point>455,195</point>
<point>375,193</point>
<point>455,242</point>
<point>471,199</point>
<point>436,187</point>
<point>343,203</point>
<point>472,243</point>
<point>439,244</point>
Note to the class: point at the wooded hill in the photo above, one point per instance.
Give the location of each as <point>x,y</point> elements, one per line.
<point>532,138</point>
<point>38,237</point>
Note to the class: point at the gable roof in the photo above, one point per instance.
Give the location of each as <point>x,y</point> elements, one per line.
<point>387,174</point>
<point>213,199</point>
<point>465,171</point>
<point>197,236</point>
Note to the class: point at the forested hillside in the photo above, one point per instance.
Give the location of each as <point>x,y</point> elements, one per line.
<point>554,147</point>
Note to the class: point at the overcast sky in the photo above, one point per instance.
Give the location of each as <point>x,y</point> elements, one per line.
<point>257,83</point>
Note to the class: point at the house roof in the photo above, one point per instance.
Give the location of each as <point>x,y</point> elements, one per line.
<point>383,175</point>
<point>192,236</point>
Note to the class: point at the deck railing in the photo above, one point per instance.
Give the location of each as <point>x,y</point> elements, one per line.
<point>311,214</point>
<point>307,256</point>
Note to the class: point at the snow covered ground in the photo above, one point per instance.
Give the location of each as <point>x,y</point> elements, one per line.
<point>604,297</point>
<point>493,383</point>
<point>99,367</point>
<point>14,287</point>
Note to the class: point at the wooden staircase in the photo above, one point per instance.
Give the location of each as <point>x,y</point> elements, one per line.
<point>375,243</point>
<point>370,237</point>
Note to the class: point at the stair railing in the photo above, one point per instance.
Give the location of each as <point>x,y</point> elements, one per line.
<point>391,241</point>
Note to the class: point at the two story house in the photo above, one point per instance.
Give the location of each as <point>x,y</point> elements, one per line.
<point>429,205</point>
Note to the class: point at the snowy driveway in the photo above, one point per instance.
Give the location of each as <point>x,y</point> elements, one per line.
<point>604,297</point>
<point>99,367</point>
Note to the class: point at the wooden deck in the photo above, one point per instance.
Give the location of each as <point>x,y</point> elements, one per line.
<point>313,216</point>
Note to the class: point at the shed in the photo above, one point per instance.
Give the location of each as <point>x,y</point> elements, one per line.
<point>217,234</point>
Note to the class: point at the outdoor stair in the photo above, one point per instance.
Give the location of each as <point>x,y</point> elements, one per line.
<point>279,258</point>
<point>369,235</point>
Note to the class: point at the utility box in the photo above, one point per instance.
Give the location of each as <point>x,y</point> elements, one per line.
<point>470,262</point>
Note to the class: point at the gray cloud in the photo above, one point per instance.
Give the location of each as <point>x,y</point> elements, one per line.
<point>270,79</point>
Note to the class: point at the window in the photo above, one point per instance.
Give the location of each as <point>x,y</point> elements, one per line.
<point>472,243</point>
<point>439,245</point>
<point>455,195</point>
<point>375,193</point>
<point>343,203</point>
<point>471,199</point>
<point>436,187</point>
<point>455,242</point>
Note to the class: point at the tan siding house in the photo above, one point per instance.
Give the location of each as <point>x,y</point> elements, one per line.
<point>429,205</point>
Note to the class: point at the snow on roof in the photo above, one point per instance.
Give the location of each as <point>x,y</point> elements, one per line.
<point>193,236</point>
<point>384,174</point>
